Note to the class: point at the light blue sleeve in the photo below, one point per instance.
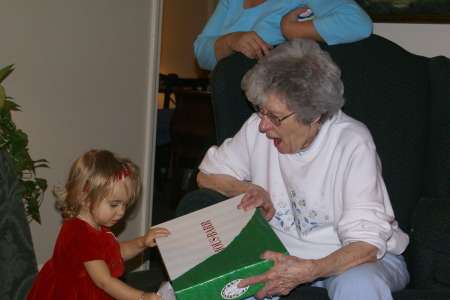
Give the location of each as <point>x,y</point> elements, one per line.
<point>204,44</point>
<point>340,21</point>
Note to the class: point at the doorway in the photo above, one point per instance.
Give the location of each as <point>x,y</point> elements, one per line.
<point>181,22</point>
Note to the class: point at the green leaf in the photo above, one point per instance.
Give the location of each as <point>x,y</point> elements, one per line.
<point>5,72</point>
<point>33,209</point>
<point>21,135</point>
<point>3,141</point>
<point>10,104</point>
<point>41,182</point>
<point>29,186</point>
<point>15,141</point>
<point>40,160</point>
<point>2,96</point>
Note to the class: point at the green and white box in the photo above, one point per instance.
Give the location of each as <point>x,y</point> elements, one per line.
<point>210,250</point>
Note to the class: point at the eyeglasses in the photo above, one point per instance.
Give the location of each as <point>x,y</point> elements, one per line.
<point>272,118</point>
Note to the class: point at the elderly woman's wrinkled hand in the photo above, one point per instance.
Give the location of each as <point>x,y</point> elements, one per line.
<point>255,197</point>
<point>287,273</point>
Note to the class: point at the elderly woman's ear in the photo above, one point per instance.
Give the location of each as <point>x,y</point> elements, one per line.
<point>316,121</point>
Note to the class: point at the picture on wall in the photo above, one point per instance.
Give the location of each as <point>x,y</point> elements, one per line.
<point>407,11</point>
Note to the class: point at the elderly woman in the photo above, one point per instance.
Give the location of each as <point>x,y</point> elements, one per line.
<point>315,174</point>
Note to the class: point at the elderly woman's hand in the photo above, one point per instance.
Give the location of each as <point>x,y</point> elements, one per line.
<point>256,196</point>
<point>287,273</point>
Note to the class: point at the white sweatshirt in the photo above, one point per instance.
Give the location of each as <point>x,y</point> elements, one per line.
<point>325,196</point>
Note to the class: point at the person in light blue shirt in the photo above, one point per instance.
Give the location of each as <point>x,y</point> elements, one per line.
<point>253,27</point>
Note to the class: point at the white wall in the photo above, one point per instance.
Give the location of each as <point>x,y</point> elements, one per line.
<point>85,76</point>
<point>182,22</point>
<point>423,39</point>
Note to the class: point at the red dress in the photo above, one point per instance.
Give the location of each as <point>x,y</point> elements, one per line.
<point>64,275</point>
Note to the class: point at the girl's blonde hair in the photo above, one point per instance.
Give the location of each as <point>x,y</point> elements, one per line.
<point>91,180</point>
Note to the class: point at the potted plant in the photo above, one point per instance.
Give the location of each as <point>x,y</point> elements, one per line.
<point>15,141</point>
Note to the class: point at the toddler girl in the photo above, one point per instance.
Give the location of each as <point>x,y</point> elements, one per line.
<point>87,259</point>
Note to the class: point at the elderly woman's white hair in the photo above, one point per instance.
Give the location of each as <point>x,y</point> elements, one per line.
<point>302,75</point>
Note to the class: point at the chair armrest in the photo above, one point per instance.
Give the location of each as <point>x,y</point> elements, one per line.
<point>198,199</point>
<point>429,251</point>
<point>17,258</point>
<point>411,294</point>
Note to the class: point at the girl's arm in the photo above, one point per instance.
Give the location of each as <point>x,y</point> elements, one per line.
<point>130,249</point>
<point>100,275</point>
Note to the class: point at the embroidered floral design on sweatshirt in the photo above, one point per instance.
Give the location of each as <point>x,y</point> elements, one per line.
<point>283,216</point>
<point>307,215</point>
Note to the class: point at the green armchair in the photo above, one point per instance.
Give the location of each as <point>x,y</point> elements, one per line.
<point>404,99</point>
<point>17,259</point>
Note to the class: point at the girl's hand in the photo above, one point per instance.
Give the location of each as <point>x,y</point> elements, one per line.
<point>152,234</point>
<point>256,196</point>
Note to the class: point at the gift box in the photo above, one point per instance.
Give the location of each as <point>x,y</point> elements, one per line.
<point>210,250</point>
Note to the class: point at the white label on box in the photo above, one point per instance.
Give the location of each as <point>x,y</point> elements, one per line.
<point>231,291</point>
<point>199,235</point>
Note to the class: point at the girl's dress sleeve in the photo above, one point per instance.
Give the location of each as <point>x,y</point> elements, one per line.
<point>204,44</point>
<point>340,21</point>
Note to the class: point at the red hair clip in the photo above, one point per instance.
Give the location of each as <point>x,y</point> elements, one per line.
<point>127,171</point>
<point>86,187</point>
<point>121,174</point>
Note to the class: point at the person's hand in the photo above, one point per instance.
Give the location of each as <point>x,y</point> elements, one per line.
<point>152,234</point>
<point>248,43</point>
<point>256,196</point>
<point>287,273</point>
<point>152,296</point>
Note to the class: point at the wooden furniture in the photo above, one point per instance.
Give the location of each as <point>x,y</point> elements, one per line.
<point>191,126</point>
<point>168,84</point>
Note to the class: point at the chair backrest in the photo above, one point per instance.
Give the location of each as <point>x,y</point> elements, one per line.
<point>17,258</point>
<point>437,168</point>
<point>231,107</point>
<point>386,87</point>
